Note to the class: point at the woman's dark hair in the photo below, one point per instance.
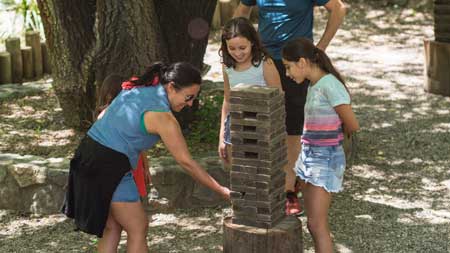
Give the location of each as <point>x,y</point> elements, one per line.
<point>304,48</point>
<point>111,87</point>
<point>241,27</point>
<point>183,74</point>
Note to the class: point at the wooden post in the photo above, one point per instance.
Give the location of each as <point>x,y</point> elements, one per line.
<point>437,66</point>
<point>5,68</point>
<point>227,8</point>
<point>285,237</point>
<point>13,47</point>
<point>27,60</point>
<point>45,59</point>
<point>32,39</point>
<point>216,23</point>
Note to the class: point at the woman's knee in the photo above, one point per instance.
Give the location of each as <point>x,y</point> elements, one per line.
<point>112,225</point>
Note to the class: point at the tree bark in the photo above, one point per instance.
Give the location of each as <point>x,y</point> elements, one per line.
<point>285,237</point>
<point>185,26</point>
<point>87,40</point>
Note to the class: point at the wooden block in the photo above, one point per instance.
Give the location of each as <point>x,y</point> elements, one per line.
<point>254,91</point>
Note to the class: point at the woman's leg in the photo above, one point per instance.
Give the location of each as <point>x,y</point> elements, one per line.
<point>317,203</point>
<point>133,219</point>
<point>111,236</point>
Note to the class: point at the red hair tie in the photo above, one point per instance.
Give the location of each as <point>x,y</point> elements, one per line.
<point>155,80</point>
<point>129,84</point>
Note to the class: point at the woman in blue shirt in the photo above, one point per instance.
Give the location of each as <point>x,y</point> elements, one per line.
<point>101,194</point>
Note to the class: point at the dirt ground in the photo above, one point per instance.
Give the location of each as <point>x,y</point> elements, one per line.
<point>396,196</point>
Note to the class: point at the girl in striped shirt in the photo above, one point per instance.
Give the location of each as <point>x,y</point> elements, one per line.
<point>328,116</point>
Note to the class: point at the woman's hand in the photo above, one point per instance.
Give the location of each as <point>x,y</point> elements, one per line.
<point>223,154</point>
<point>226,193</point>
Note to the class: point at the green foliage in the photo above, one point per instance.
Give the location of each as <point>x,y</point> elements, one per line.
<point>28,11</point>
<point>205,129</point>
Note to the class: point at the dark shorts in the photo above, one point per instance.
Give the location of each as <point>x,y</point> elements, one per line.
<point>295,99</point>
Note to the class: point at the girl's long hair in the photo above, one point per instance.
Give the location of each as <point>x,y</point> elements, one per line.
<point>241,27</point>
<point>111,87</point>
<point>304,48</point>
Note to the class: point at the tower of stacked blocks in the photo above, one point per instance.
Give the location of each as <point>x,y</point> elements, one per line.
<point>258,155</point>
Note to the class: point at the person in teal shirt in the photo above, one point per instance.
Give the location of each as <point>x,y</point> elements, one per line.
<point>279,22</point>
<point>101,194</point>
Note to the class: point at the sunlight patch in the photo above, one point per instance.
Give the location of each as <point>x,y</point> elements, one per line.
<point>367,171</point>
<point>392,201</point>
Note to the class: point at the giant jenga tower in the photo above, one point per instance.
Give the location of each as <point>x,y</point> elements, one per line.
<point>257,177</point>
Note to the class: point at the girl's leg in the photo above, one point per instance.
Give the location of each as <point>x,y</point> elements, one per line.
<point>317,202</point>
<point>111,236</point>
<point>293,150</point>
<point>133,219</point>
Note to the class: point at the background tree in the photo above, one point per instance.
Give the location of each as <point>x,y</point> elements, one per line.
<point>90,39</point>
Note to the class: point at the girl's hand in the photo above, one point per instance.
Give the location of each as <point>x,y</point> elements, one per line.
<point>223,152</point>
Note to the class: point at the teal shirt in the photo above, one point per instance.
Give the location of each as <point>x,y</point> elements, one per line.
<point>284,20</point>
<point>253,75</point>
<point>122,126</point>
<point>322,126</point>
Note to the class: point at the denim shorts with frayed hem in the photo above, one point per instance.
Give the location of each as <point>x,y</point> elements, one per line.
<point>127,190</point>
<point>322,166</point>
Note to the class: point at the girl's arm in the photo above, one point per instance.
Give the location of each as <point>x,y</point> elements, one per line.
<point>225,110</point>
<point>166,126</point>
<point>348,118</point>
<point>271,75</point>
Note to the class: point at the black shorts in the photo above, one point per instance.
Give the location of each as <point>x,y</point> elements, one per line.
<point>295,99</point>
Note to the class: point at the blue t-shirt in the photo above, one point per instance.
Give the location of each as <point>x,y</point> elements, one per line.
<point>284,20</point>
<point>322,126</point>
<point>122,126</point>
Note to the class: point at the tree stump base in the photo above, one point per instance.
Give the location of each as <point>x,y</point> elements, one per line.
<point>285,237</point>
<point>437,65</point>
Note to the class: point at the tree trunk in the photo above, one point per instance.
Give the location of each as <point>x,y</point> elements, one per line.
<point>285,237</point>
<point>87,40</point>
<point>185,29</point>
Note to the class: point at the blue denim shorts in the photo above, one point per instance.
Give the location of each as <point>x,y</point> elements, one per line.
<point>127,190</point>
<point>322,166</point>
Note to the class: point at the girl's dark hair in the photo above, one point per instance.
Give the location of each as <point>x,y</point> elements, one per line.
<point>111,87</point>
<point>183,74</point>
<point>241,27</point>
<point>304,48</point>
